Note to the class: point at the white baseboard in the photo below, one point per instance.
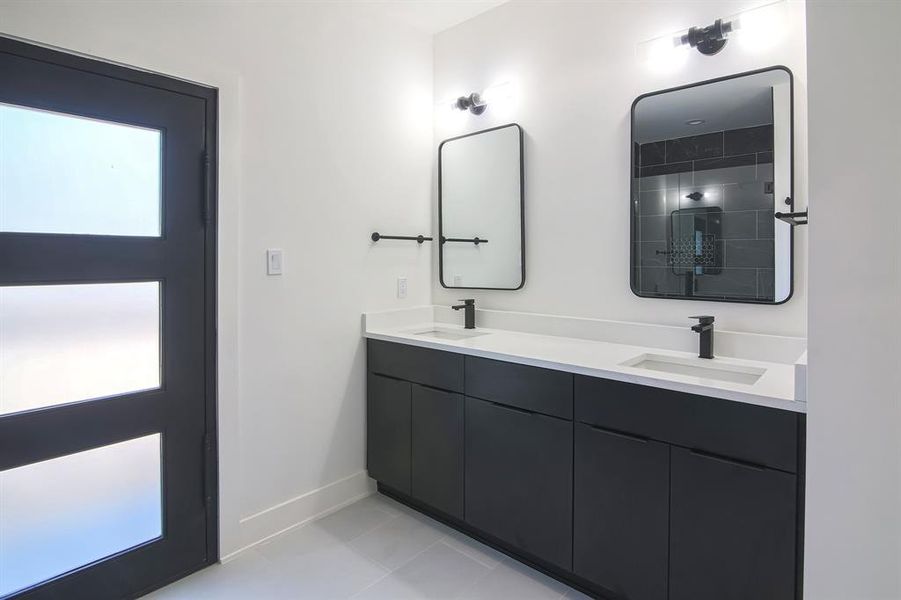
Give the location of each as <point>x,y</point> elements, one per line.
<point>268,523</point>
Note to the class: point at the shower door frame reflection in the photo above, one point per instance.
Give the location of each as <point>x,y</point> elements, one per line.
<point>183,260</point>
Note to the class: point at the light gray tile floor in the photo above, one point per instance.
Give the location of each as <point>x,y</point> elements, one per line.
<point>374,548</point>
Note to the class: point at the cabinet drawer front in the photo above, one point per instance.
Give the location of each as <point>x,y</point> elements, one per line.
<point>435,368</point>
<point>532,388</point>
<point>733,530</point>
<point>621,513</point>
<point>755,434</point>
<point>438,449</point>
<point>519,479</point>
<point>388,432</point>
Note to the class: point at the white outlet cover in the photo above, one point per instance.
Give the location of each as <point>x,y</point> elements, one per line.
<point>401,287</point>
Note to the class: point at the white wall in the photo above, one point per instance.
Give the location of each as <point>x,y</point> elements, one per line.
<point>575,68</point>
<point>853,548</point>
<point>326,135</point>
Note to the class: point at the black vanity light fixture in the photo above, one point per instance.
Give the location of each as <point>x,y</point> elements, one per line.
<point>473,103</point>
<point>708,40</point>
<point>499,94</point>
<point>760,25</point>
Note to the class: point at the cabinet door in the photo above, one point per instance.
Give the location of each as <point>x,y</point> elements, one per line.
<point>519,479</point>
<point>621,513</point>
<point>388,431</point>
<point>732,533</point>
<point>438,449</point>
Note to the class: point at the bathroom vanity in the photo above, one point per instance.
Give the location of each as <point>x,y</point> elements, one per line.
<point>620,478</point>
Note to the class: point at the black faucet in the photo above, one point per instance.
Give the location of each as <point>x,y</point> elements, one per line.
<point>469,306</point>
<point>705,328</point>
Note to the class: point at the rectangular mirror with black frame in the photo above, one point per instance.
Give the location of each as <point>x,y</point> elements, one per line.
<point>480,210</point>
<point>711,165</point>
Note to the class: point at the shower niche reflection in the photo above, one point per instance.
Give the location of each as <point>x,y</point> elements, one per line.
<point>711,165</point>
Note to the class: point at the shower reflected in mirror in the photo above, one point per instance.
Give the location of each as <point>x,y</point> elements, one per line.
<point>711,165</point>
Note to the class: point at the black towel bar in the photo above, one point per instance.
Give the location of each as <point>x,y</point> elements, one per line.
<point>793,218</point>
<point>376,236</point>
<point>476,240</point>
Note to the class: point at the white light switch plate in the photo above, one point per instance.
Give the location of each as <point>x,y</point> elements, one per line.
<point>274,261</point>
<point>401,287</point>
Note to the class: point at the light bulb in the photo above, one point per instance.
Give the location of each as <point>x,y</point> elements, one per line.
<point>664,53</point>
<point>759,28</point>
<point>498,93</point>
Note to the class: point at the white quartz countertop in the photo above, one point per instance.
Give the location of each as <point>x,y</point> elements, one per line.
<point>775,388</point>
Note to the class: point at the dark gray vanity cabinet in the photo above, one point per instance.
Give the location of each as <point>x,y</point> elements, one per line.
<point>388,429</point>
<point>621,512</point>
<point>519,479</point>
<point>414,429</point>
<point>628,491</point>
<point>727,473</point>
<point>437,449</point>
<point>732,530</point>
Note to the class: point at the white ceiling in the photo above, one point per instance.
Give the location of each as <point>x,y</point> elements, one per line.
<point>433,16</point>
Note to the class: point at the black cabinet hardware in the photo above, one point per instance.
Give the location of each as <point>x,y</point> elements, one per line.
<point>725,459</point>
<point>512,408</point>
<point>621,434</point>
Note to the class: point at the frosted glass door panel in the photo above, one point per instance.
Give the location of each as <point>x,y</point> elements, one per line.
<point>67,512</point>
<point>66,174</point>
<point>64,343</point>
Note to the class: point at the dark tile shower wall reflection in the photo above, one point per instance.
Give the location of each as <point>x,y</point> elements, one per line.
<point>708,199</point>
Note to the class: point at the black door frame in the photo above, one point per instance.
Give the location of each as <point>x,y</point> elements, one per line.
<point>208,211</point>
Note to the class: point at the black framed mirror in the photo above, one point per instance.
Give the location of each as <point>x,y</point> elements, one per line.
<point>481,205</point>
<point>712,162</point>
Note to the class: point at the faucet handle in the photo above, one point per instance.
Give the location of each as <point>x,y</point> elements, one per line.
<point>467,300</point>
<point>704,319</point>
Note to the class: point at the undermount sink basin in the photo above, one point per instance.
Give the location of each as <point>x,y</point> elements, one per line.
<point>697,367</point>
<point>449,334</point>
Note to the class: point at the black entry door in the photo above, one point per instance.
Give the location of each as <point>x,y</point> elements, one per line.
<point>107,456</point>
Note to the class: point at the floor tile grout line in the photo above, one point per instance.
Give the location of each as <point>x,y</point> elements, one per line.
<point>472,585</point>
<point>392,571</point>
<point>338,543</point>
<point>391,518</point>
<point>468,555</point>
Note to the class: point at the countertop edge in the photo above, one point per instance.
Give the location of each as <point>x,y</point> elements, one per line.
<point>667,384</point>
